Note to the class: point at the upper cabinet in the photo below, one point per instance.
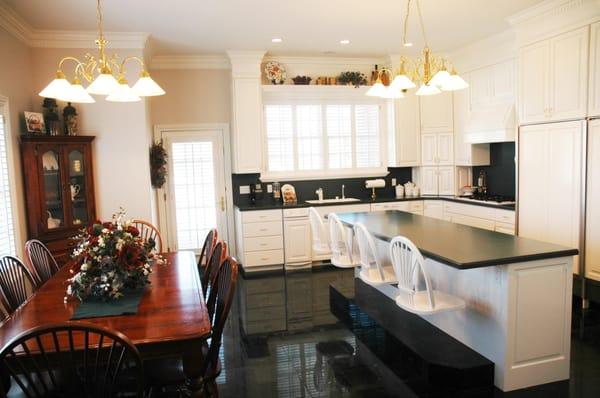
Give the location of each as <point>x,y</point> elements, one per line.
<point>594,97</point>
<point>436,113</point>
<point>437,149</point>
<point>405,143</point>
<point>553,78</point>
<point>247,111</point>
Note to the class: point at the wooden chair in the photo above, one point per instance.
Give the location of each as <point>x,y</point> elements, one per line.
<point>320,240</point>
<point>14,277</point>
<point>44,363</point>
<point>372,270</point>
<point>408,263</point>
<point>209,244</point>
<point>218,255</point>
<point>341,244</point>
<point>149,232</point>
<point>40,261</point>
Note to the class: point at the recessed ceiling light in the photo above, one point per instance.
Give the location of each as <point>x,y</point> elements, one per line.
<point>345,41</point>
<point>276,40</point>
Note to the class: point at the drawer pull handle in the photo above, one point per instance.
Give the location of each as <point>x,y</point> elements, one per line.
<point>263,229</point>
<point>264,244</point>
<point>264,258</point>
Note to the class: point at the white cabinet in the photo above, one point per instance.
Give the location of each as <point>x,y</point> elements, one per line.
<point>499,220</point>
<point>436,180</point>
<point>437,149</point>
<point>259,238</point>
<point>409,206</point>
<point>446,185</point>
<point>553,78</point>
<point>592,233</point>
<point>550,182</point>
<point>405,143</point>
<point>594,89</point>
<point>436,113</point>
<point>297,237</point>
<point>433,209</point>
<point>247,111</point>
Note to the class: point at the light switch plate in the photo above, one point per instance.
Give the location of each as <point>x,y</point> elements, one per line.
<point>244,189</point>
<point>269,188</point>
<point>394,182</point>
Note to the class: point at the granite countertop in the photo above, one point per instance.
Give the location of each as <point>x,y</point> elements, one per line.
<point>271,204</point>
<point>459,246</point>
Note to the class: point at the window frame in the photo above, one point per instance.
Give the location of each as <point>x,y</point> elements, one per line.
<point>323,96</point>
<point>11,160</point>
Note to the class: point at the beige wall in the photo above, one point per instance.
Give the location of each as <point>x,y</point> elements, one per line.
<point>16,85</point>
<point>123,137</point>
<point>193,96</point>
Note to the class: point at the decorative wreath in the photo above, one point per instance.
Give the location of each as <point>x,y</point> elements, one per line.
<point>158,165</point>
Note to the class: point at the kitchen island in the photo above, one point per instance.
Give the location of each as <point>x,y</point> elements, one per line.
<point>517,292</point>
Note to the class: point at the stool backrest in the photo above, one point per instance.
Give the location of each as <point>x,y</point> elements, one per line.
<point>337,235</point>
<point>319,233</point>
<point>367,249</point>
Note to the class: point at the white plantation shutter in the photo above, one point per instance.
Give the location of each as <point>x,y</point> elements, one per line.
<point>367,135</point>
<point>339,136</point>
<point>280,137</point>
<point>7,233</point>
<point>309,127</point>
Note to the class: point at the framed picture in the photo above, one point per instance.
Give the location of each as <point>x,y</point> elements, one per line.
<point>35,123</point>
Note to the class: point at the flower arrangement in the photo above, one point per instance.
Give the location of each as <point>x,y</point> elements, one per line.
<point>111,258</point>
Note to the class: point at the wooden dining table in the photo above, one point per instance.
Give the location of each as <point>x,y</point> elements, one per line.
<point>172,319</point>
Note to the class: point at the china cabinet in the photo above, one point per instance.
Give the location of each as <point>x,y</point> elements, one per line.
<point>59,189</point>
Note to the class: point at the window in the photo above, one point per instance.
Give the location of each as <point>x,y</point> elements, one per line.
<point>323,137</point>
<point>7,234</point>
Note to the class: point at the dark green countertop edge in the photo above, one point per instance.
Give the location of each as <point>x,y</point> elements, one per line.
<point>273,205</point>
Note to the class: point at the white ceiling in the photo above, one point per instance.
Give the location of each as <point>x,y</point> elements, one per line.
<point>307,27</point>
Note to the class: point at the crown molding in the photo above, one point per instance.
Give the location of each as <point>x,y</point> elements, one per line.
<point>14,24</point>
<point>200,61</point>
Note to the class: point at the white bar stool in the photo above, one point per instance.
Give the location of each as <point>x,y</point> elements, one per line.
<point>372,271</point>
<point>408,261</point>
<point>341,244</point>
<point>320,239</point>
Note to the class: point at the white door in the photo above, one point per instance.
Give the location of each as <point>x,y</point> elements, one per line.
<point>429,149</point>
<point>407,131</point>
<point>533,82</point>
<point>594,68</point>
<point>446,180</point>
<point>445,149</point>
<point>195,190</point>
<point>429,180</point>
<point>568,76</point>
<point>298,247</point>
<point>592,234</point>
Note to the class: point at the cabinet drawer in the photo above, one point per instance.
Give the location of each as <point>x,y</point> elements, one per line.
<point>267,257</point>
<point>263,243</point>
<point>505,216</point>
<point>261,215</point>
<point>301,212</point>
<point>415,206</point>
<point>505,228</point>
<point>470,210</point>
<point>490,225</point>
<point>268,228</point>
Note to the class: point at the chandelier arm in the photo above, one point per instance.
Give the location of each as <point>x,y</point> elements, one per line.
<point>79,67</point>
<point>406,22</point>
<point>131,58</point>
<point>421,22</point>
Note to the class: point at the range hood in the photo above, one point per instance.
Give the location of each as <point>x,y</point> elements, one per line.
<point>494,123</point>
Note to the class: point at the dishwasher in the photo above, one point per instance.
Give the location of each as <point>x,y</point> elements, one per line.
<point>297,239</point>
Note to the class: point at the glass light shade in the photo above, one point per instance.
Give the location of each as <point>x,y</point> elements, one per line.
<point>428,89</point>
<point>77,94</point>
<point>57,87</point>
<point>402,82</point>
<point>440,78</point>
<point>377,90</point>
<point>455,82</point>
<point>393,93</point>
<point>104,84</point>
<point>124,93</point>
<point>146,87</point>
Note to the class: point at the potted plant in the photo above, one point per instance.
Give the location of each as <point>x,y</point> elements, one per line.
<point>352,78</point>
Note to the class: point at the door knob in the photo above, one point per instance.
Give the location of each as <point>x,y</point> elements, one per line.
<point>222,203</point>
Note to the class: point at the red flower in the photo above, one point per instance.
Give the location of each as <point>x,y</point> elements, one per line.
<point>133,230</point>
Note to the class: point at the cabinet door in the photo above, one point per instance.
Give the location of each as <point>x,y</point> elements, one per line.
<point>52,189</point>
<point>568,75</point>
<point>445,149</point>
<point>436,113</point>
<point>297,237</point>
<point>408,133</point>
<point>434,209</point>
<point>429,144</point>
<point>594,92</point>
<point>429,180</point>
<point>503,81</point>
<point>533,82</point>
<point>446,180</point>
<point>79,190</point>
<point>480,88</point>
<point>247,125</point>
<point>462,115</point>
<point>592,233</point>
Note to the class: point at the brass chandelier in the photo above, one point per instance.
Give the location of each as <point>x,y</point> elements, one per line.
<point>98,72</point>
<point>430,71</point>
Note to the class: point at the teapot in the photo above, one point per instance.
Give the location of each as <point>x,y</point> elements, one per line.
<point>53,222</point>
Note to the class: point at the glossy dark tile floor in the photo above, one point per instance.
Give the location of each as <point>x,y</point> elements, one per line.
<point>302,352</point>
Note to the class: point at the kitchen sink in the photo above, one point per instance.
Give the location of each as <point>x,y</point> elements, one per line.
<point>336,200</point>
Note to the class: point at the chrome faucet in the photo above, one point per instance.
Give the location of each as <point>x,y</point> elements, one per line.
<point>319,193</point>
<point>343,191</point>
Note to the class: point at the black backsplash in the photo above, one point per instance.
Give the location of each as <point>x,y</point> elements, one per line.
<point>501,172</point>
<point>305,189</point>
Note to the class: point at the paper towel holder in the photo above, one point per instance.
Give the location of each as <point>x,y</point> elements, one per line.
<point>372,184</point>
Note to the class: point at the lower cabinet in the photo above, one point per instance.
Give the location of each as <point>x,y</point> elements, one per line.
<point>410,206</point>
<point>492,219</point>
<point>297,240</point>
<point>259,238</point>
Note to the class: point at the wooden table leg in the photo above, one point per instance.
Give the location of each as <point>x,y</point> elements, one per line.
<point>192,366</point>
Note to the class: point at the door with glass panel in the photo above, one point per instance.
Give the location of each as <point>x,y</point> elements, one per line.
<point>195,190</point>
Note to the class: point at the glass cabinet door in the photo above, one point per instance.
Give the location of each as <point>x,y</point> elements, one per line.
<point>52,191</point>
<point>78,188</point>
